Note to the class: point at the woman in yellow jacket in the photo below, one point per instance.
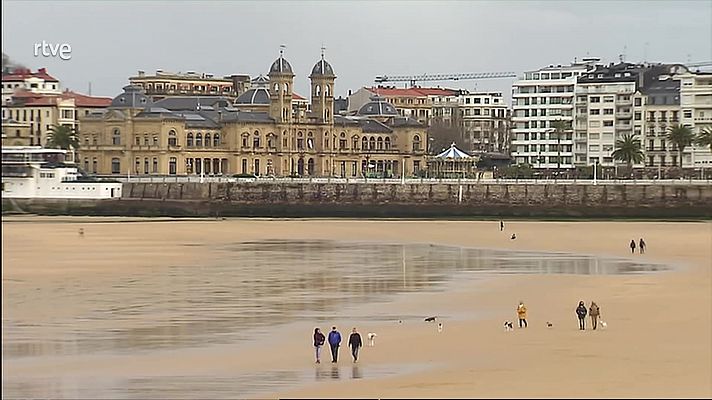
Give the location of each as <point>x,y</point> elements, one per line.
<point>522,314</point>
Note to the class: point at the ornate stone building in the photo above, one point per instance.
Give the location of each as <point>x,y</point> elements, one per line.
<point>266,131</point>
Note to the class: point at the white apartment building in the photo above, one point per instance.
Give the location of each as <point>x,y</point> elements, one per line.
<point>696,112</point>
<point>540,98</point>
<point>604,112</point>
<point>482,119</point>
<point>22,79</point>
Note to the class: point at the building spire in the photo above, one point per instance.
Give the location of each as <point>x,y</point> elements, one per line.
<point>281,50</point>
<point>322,50</point>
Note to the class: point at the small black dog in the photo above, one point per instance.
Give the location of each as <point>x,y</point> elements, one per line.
<point>508,326</point>
<point>431,319</point>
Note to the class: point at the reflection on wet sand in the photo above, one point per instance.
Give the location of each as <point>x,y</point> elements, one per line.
<point>241,292</point>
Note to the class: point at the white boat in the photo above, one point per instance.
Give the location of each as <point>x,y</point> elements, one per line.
<point>33,172</point>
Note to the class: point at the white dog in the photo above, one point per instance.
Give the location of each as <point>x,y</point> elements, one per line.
<point>604,324</point>
<point>372,339</point>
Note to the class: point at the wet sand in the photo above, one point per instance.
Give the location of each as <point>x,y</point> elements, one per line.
<point>657,343</point>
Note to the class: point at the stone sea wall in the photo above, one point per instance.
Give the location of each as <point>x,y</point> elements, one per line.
<point>391,200</point>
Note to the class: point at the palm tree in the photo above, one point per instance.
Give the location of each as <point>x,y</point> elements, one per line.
<point>680,136</point>
<point>629,150</point>
<point>704,138</point>
<point>63,137</point>
<point>560,128</point>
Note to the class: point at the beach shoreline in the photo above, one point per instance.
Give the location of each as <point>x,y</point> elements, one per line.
<point>656,345</point>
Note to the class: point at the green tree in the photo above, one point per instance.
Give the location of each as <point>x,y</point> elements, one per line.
<point>629,150</point>
<point>560,128</point>
<point>63,137</point>
<point>680,136</point>
<point>704,138</point>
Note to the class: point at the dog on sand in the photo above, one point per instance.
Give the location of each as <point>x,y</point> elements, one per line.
<point>371,339</point>
<point>508,326</point>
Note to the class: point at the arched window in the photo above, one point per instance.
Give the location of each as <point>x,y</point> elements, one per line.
<point>207,140</point>
<point>354,142</point>
<point>286,88</point>
<point>327,90</point>
<point>317,90</point>
<point>380,143</point>
<point>145,140</point>
<point>172,165</point>
<point>138,140</point>
<point>137,166</point>
<point>216,140</point>
<point>198,139</point>
<point>310,166</point>
<point>116,138</point>
<point>387,142</point>
<point>145,166</point>
<point>86,164</point>
<point>256,140</point>
<point>372,143</point>
<point>276,88</point>
<point>416,143</point>
<point>172,138</point>
<point>364,143</point>
<point>189,139</point>
<point>155,165</point>
<point>245,139</point>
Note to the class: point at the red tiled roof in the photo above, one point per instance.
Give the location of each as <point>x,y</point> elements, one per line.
<point>82,100</point>
<point>22,74</point>
<point>297,97</point>
<point>412,92</point>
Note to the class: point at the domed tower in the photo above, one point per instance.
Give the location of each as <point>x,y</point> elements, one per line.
<point>281,79</point>
<point>322,91</point>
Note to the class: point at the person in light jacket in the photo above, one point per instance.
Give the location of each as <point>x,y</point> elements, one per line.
<point>594,311</point>
<point>522,314</point>
<point>355,343</point>
<point>319,340</point>
<point>334,343</point>
<point>581,313</point>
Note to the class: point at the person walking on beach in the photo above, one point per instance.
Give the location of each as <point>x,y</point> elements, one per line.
<point>334,343</point>
<point>355,343</point>
<point>632,246</point>
<point>501,226</point>
<point>319,340</point>
<point>522,314</point>
<point>581,313</point>
<point>641,246</point>
<point>594,312</point>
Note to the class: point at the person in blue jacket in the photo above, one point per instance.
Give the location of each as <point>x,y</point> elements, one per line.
<point>334,343</point>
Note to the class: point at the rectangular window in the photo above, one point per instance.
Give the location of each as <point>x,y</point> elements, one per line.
<point>608,111</point>
<point>595,111</point>
<point>607,123</point>
<point>595,99</point>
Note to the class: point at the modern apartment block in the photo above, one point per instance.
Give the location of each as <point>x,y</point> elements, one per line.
<point>538,99</point>
<point>167,84</point>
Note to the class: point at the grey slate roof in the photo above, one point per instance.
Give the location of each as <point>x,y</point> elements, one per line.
<point>132,97</point>
<point>404,121</point>
<point>378,106</point>
<point>281,66</point>
<point>254,96</point>
<point>185,103</point>
<point>322,68</point>
<point>373,126</point>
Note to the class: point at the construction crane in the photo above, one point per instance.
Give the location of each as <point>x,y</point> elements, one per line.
<point>443,77</point>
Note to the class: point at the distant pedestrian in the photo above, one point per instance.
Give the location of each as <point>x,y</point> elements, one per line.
<point>81,232</point>
<point>501,226</point>
<point>581,313</point>
<point>522,314</point>
<point>319,340</point>
<point>440,327</point>
<point>355,343</point>
<point>641,246</point>
<point>334,343</point>
<point>594,311</point>
<point>632,246</point>
<point>514,236</point>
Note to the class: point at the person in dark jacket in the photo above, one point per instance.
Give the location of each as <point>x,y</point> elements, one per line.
<point>355,343</point>
<point>632,246</point>
<point>581,313</point>
<point>641,246</point>
<point>319,340</point>
<point>334,343</point>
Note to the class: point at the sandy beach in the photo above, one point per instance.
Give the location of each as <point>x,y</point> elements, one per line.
<point>658,342</point>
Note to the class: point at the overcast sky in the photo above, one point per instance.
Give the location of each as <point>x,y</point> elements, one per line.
<point>113,40</point>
